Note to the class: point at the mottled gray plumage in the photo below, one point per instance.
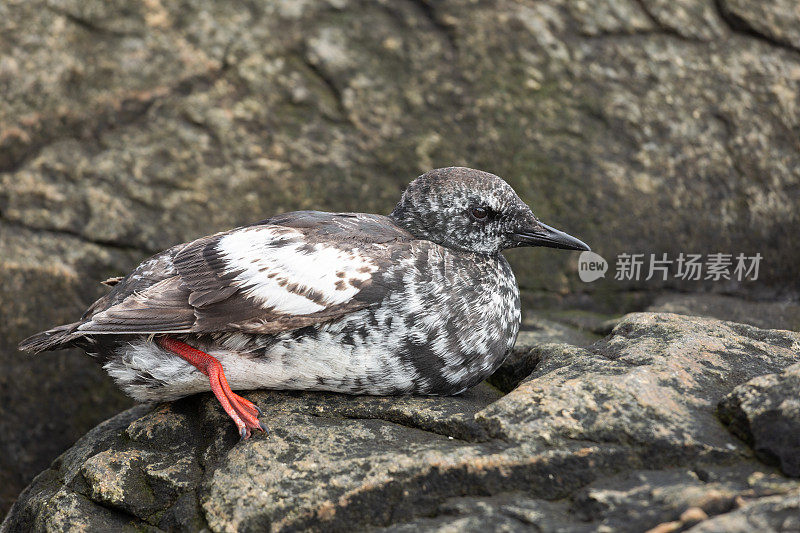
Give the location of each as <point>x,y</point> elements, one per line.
<point>420,301</point>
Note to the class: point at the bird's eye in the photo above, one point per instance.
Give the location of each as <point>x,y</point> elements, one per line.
<point>479,213</point>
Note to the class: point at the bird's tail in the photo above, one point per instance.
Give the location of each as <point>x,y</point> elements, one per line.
<point>52,339</point>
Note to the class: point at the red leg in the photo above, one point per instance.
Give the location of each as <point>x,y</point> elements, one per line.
<point>243,412</point>
<point>232,396</point>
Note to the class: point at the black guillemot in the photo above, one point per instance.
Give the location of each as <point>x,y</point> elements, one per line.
<point>417,302</point>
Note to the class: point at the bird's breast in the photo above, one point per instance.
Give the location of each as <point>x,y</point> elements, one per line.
<point>447,322</point>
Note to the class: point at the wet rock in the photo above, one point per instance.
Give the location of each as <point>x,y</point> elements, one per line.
<point>765,413</point>
<point>618,434</point>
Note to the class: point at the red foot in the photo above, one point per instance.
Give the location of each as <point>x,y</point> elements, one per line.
<point>243,412</point>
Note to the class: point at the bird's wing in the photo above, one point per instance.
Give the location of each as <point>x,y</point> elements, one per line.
<point>284,273</point>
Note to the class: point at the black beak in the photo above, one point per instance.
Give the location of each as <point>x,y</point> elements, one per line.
<point>544,235</point>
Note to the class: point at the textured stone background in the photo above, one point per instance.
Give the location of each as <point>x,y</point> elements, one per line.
<point>637,125</point>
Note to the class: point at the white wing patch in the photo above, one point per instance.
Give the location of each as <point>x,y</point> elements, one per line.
<point>284,272</point>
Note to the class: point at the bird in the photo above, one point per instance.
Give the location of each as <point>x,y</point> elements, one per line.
<point>420,301</point>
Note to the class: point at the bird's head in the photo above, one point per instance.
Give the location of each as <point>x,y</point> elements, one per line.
<point>471,210</point>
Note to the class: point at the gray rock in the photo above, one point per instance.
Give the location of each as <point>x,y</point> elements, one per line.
<point>591,324</point>
<point>536,331</point>
<point>765,413</point>
<point>777,23</point>
<point>777,513</point>
<point>647,126</point>
<point>763,314</point>
<point>49,401</point>
<point>656,379</point>
<point>621,434</point>
<point>537,328</point>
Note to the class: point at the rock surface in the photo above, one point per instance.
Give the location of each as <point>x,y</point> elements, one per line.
<point>48,401</point>
<point>621,434</point>
<point>638,125</point>
<point>765,413</point>
<point>762,314</point>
